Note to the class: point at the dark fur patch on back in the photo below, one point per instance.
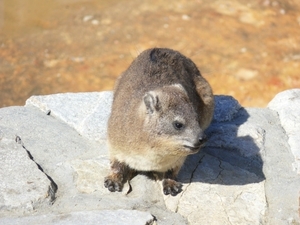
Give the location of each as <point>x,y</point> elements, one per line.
<point>153,56</point>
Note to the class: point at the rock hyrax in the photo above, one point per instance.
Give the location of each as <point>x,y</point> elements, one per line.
<point>161,107</point>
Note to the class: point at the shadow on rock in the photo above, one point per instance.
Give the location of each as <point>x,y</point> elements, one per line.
<point>232,156</point>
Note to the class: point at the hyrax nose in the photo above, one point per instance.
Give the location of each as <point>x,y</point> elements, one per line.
<point>202,138</point>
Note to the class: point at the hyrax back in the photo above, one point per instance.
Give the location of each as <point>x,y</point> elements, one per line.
<point>161,107</point>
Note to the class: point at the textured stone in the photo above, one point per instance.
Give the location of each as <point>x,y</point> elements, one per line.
<point>281,183</point>
<point>237,178</point>
<point>85,112</point>
<point>246,139</point>
<point>227,174</point>
<point>111,217</point>
<point>23,187</point>
<point>53,144</point>
<point>287,105</point>
<point>213,188</point>
<point>234,140</point>
<point>89,174</point>
<point>73,162</point>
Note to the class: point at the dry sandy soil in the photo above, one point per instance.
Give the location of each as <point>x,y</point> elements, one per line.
<point>247,49</point>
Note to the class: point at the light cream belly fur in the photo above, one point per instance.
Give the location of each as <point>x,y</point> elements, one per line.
<point>150,161</point>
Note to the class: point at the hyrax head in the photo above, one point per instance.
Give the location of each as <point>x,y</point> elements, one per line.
<point>172,120</point>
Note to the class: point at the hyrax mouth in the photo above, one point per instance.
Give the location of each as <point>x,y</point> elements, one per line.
<point>194,149</point>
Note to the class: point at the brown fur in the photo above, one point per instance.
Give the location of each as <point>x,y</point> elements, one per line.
<point>161,107</point>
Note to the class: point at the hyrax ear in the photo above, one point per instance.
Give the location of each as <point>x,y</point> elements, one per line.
<point>151,101</point>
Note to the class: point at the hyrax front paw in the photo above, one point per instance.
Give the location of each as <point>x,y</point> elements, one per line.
<point>171,187</point>
<point>113,184</point>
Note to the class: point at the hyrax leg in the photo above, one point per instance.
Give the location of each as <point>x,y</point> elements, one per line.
<point>119,174</point>
<point>170,185</point>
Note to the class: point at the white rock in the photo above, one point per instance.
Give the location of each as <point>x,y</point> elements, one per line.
<point>246,74</point>
<point>90,174</point>
<point>73,162</point>
<point>23,186</point>
<point>210,192</point>
<point>95,22</point>
<point>86,112</point>
<point>287,105</point>
<point>244,166</point>
<point>87,18</point>
<point>250,17</point>
<point>185,17</point>
<point>104,217</point>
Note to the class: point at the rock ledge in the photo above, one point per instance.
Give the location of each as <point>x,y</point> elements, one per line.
<point>54,158</point>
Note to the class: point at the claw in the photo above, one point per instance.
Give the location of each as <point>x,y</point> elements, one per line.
<point>112,185</point>
<point>171,187</point>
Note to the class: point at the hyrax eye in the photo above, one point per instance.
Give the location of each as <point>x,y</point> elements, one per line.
<point>177,125</point>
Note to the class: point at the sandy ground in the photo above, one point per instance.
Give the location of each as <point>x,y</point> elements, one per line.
<point>248,50</point>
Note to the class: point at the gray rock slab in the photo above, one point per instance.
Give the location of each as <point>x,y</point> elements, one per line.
<point>207,194</point>
<point>287,105</point>
<point>52,143</point>
<point>237,142</point>
<point>282,184</point>
<point>227,175</point>
<point>241,173</point>
<point>23,186</point>
<point>85,112</point>
<point>78,166</point>
<point>88,112</point>
<point>104,217</point>
<point>89,174</point>
<point>244,175</point>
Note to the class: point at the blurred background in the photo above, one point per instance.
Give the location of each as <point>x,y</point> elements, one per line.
<point>247,49</point>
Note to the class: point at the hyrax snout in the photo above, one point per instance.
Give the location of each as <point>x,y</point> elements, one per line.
<point>161,108</point>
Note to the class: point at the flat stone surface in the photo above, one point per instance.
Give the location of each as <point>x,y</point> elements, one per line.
<point>89,174</point>
<point>104,217</point>
<point>52,143</point>
<point>237,178</point>
<point>282,184</point>
<point>85,112</point>
<point>227,175</point>
<point>208,192</point>
<point>23,187</point>
<point>78,166</point>
<point>287,105</point>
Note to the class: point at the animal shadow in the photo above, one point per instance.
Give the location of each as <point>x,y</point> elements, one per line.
<point>232,155</point>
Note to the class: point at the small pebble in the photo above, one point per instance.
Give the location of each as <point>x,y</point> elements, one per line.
<point>185,17</point>
<point>243,50</point>
<point>246,74</point>
<point>77,59</point>
<point>87,18</point>
<point>282,11</point>
<point>95,22</point>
